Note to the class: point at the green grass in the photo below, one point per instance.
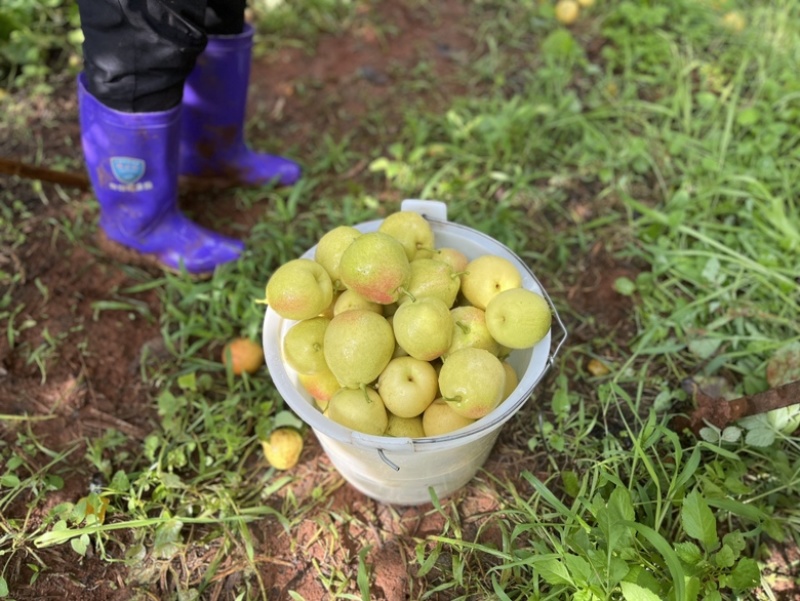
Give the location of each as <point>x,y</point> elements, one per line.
<point>682,138</point>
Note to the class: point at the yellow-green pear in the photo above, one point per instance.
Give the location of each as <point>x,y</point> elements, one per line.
<point>487,276</point>
<point>439,418</point>
<point>359,409</point>
<point>302,345</point>
<point>473,382</point>
<point>412,230</point>
<point>405,427</point>
<point>358,345</point>
<point>430,277</point>
<point>330,248</point>
<point>423,328</point>
<point>518,318</point>
<point>375,266</point>
<point>299,289</point>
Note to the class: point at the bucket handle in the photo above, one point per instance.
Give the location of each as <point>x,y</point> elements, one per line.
<point>435,210</point>
<point>562,335</point>
<point>388,461</point>
<point>361,440</point>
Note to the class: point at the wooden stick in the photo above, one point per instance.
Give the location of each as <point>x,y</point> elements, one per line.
<point>26,171</point>
<point>721,413</point>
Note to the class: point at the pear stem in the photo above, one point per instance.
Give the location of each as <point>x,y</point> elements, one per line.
<point>363,388</point>
<point>408,294</point>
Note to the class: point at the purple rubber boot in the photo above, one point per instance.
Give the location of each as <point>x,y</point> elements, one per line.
<point>132,163</point>
<point>214,103</point>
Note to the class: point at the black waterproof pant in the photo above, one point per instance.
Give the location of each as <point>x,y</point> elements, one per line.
<point>138,53</point>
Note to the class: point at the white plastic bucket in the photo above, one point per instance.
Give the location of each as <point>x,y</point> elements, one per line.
<point>403,470</point>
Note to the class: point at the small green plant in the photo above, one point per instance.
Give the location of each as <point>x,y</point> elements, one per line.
<point>24,482</point>
<point>32,39</point>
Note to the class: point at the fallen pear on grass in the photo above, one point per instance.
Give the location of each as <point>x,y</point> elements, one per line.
<point>283,448</point>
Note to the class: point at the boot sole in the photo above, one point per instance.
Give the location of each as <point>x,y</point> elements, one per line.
<point>122,254</point>
<point>192,183</point>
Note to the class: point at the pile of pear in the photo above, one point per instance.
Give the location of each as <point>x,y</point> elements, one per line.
<point>397,336</point>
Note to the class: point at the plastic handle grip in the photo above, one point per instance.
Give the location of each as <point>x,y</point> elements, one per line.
<point>430,209</point>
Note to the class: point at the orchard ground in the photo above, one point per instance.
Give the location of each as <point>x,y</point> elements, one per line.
<point>77,390</point>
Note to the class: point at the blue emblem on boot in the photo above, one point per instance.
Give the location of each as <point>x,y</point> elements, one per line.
<point>127,170</point>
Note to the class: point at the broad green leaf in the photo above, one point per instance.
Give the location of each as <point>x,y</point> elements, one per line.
<point>633,592</point>
<point>745,575</point>
<point>703,348</point>
<point>585,594</point>
<point>760,437</point>
<point>167,538</point>
<point>3,587</point>
<point>620,505</point>
<point>120,482</point>
<point>748,116</point>
<point>620,510</point>
<point>725,557</point>
<point>559,45</point>
<point>9,481</point>
<point>692,588</point>
<point>698,520</point>
<point>643,577</point>
<point>617,570</point>
<point>731,434</point>
<point>169,404</point>
<point>553,571</point>
<point>188,381</point>
<point>711,270</point>
<point>734,540</point>
<point>688,552</point>
<point>712,596</point>
<point>579,569</point>
<point>571,483</point>
<point>625,286</point>
<point>710,434</point>
<point>287,419</point>
<point>774,529</point>
<point>54,482</point>
<point>80,544</point>
<point>13,463</point>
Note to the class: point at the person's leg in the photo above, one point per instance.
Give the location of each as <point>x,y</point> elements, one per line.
<point>214,103</point>
<point>137,56</point>
<point>138,53</point>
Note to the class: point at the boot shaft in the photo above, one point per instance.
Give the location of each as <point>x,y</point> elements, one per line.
<point>131,159</point>
<point>214,105</point>
<point>219,82</point>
